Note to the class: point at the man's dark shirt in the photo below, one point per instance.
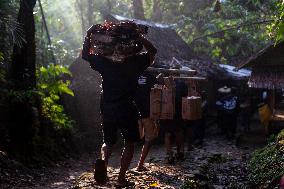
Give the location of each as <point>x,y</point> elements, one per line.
<point>119,85</point>
<point>145,82</point>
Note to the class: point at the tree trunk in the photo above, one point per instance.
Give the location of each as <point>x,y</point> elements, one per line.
<point>81,14</point>
<point>109,6</point>
<point>23,68</point>
<point>138,9</point>
<point>157,12</point>
<point>23,73</point>
<point>90,12</point>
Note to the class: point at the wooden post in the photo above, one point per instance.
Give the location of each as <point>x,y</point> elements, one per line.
<point>271,104</point>
<point>271,99</point>
<point>192,88</point>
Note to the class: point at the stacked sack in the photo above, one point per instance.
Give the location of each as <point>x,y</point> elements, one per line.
<point>117,40</point>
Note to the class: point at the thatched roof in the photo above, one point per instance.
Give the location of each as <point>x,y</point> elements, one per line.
<point>272,55</point>
<point>163,37</point>
<point>267,67</point>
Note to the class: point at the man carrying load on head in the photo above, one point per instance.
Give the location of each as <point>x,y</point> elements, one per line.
<point>120,68</point>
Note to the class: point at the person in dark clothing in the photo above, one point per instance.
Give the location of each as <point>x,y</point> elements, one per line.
<point>117,103</point>
<point>246,112</point>
<point>228,111</point>
<point>174,128</point>
<point>148,127</point>
<point>181,91</point>
<point>200,124</point>
<point>146,81</point>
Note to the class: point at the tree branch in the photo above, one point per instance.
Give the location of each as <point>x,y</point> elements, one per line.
<point>46,30</point>
<point>234,28</point>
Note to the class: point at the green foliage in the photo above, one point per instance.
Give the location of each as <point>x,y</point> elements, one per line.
<point>1,57</point>
<point>266,164</point>
<point>276,29</point>
<point>233,34</point>
<point>191,184</point>
<point>237,31</point>
<point>10,33</point>
<point>50,88</point>
<point>62,21</point>
<point>21,95</point>
<point>65,36</point>
<point>2,71</point>
<point>10,28</point>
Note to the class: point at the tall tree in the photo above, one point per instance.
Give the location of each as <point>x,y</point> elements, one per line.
<point>138,9</point>
<point>157,14</point>
<point>23,73</point>
<point>80,8</point>
<point>23,68</point>
<point>90,12</point>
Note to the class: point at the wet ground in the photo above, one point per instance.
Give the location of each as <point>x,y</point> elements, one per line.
<point>218,163</point>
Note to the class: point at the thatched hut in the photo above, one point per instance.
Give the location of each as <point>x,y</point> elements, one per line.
<point>268,74</point>
<point>267,68</point>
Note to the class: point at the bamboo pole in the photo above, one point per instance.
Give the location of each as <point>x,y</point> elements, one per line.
<point>171,71</point>
<point>191,78</point>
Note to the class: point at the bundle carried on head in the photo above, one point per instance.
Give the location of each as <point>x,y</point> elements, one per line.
<point>117,40</point>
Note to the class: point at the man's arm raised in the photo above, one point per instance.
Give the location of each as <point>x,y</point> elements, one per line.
<point>150,49</point>
<point>87,44</point>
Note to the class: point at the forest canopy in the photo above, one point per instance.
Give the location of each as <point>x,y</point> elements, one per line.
<point>235,32</point>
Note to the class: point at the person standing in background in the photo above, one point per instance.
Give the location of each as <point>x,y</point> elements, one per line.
<point>148,127</point>
<point>246,112</point>
<point>174,129</point>
<point>228,107</point>
<point>201,124</point>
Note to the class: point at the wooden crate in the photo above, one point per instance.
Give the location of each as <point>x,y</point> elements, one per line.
<point>162,102</point>
<point>191,108</point>
<point>168,103</point>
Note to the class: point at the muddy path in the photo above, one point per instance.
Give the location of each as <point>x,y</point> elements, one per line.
<point>218,163</point>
